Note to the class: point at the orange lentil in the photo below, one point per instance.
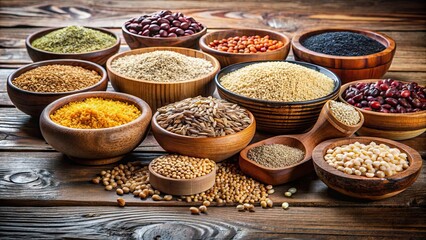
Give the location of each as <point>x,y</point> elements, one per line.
<point>246,44</point>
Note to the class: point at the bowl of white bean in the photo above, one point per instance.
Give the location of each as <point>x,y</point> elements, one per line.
<point>366,167</point>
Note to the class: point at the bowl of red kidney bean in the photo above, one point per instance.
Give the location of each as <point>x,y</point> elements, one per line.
<point>392,109</point>
<point>163,28</point>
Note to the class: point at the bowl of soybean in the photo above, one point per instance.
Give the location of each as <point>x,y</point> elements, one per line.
<point>73,42</point>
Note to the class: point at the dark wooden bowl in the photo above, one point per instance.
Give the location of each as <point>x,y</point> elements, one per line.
<point>100,56</point>
<point>213,148</point>
<point>363,187</point>
<point>137,41</point>
<point>96,146</point>
<point>280,117</point>
<point>158,94</point>
<point>181,186</point>
<point>33,103</point>
<point>348,68</point>
<point>226,58</point>
<point>396,126</point>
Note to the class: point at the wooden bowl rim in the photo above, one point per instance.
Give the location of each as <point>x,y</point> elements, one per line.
<point>29,40</point>
<point>141,104</point>
<point>373,113</point>
<point>413,156</point>
<point>234,67</point>
<point>389,48</point>
<point>203,44</point>
<point>34,65</point>
<point>214,61</point>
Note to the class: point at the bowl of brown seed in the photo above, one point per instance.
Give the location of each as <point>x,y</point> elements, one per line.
<point>203,127</point>
<point>32,87</point>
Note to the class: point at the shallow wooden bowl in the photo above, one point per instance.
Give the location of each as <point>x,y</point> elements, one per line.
<point>100,56</point>
<point>280,117</point>
<point>348,68</point>
<point>394,126</point>
<point>226,58</point>
<point>137,41</point>
<point>213,148</point>
<point>181,186</point>
<point>96,146</point>
<point>362,187</point>
<point>33,103</point>
<point>158,94</point>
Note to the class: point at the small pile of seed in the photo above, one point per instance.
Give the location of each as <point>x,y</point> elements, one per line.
<point>162,66</point>
<point>182,167</point>
<point>56,78</point>
<point>203,117</point>
<point>345,113</point>
<point>202,208</point>
<point>275,155</point>
<point>278,81</point>
<point>245,207</point>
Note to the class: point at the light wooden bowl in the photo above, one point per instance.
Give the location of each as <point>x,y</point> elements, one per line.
<point>137,41</point>
<point>33,103</point>
<point>226,58</point>
<point>396,126</point>
<point>96,146</point>
<point>348,68</point>
<point>213,148</point>
<point>158,94</point>
<point>280,117</point>
<point>181,186</point>
<point>360,186</point>
<point>100,57</point>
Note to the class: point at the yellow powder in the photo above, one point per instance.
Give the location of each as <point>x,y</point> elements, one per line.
<point>95,113</point>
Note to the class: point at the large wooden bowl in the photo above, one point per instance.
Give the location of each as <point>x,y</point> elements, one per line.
<point>33,103</point>
<point>213,148</point>
<point>137,41</point>
<point>100,56</point>
<point>360,186</point>
<point>226,58</point>
<point>96,146</point>
<point>280,117</point>
<point>396,126</point>
<point>158,94</point>
<point>348,68</point>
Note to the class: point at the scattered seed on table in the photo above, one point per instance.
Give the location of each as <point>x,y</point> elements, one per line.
<point>194,210</point>
<point>142,195</point>
<point>285,205</point>
<point>263,204</point>
<point>121,202</point>
<point>203,209</point>
<point>271,191</point>
<point>269,187</point>
<point>96,180</point>
<point>119,191</point>
<point>156,197</point>
<point>292,190</point>
<point>108,187</point>
<point>269,203</point>
<point>240,208</point>
<point>288,194</point>
<point>206,203</point>
<point>168,197</point>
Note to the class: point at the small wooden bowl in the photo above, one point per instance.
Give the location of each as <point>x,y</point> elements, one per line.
<point>213,148</point>
<point>33,103</point>
<point>137,41</point>
<point>348,68</point>
<point>360,186</point>
<point>280,117</point>
<point>158,94</point>
<point>100,56</point>
<point>96,146</point>
<point>396,126</point>
<point>181,186</point>
<point>226,58</point>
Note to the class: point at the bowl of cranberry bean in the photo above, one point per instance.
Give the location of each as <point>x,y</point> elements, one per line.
<point>163,28</point>
<point>392,109</point>
<point>245,45</point>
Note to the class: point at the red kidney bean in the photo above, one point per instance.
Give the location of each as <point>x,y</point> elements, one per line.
<point>169,17</point>
<point>380,99</point>
<point>375,104</point>
<point>190,32</point>
<point>404,102</point>
<point>387,106</point>
<point>405,93</point>
<point>184,25</point>
<point>163,33</point>
<point>179,32</point>
<point>384,87</point>
<point>357,97</point>
<point>370,98</point>
<point>172,35</point>
<point>165,26</point>
<point>391,101</point>
<point>176,23</point>
<point>162,20</point>
<point>182,19</point>
<point>350,101</point>
<point>154,28</point>
<point>146,21</point>
<point>416,103</point>
<point>145,33</point>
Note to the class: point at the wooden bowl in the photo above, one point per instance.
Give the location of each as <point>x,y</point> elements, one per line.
<point>348,68</point>
<point>226,58</point>
<point>213,148</point>
<point>360,186</point>
<point>280,117</point>
<point>181,186</point>
<point>33,103</point>
<point>96,146</point>
<point>100,56</point>
<point>396,126</point>
<point>158,94</point>
<point>137,41</point>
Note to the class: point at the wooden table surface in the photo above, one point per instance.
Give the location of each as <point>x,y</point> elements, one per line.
<point>44,195</point>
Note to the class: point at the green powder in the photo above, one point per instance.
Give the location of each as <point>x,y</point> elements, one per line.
<point>74,39</point>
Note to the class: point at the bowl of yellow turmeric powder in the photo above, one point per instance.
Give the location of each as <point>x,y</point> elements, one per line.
<point>96,128</point>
